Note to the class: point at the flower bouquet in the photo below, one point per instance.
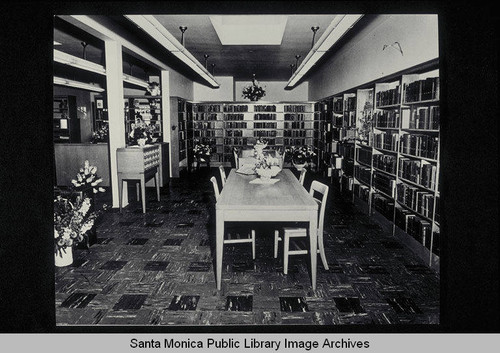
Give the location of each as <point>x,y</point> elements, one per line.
<point>259,146</point>
<point>141,133</point>
<point>87,179</point>
<point>254,92</point>
<point>101,135</point>
<point>300,155</point>
<point>202,152</point>
<point>267,166</point>
<point>71,222</point>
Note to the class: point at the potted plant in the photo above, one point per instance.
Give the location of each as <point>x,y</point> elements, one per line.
<point>300,156</point>
<point>101,135</point>
<point>71,222</point>
<point>141,133</point>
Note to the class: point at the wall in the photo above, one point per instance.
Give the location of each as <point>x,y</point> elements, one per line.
<point>362,59</point>
<point>225,92</point>
<point>275,91</point>
<point>180,86</point>
<point>82,100</point>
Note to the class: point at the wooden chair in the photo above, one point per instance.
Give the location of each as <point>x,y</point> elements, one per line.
<point>288,232</point>
<point>302,176</point>
<point>235,234</point>
<point>236,159</point>
<point>222,175</point>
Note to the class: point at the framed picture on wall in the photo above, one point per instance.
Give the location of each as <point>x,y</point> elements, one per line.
<point>99,103</point>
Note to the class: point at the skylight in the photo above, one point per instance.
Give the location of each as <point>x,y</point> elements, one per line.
<point>249,29</point>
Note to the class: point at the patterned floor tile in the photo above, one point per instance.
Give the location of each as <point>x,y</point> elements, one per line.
<point>130,302</point>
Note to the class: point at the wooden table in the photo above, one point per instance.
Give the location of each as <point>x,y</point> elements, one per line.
<point>283,201</point>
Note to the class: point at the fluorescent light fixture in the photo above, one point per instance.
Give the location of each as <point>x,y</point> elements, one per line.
<point>336,30</point>
<point>155,29</point>
<point>74,61</point>
<point>57,43</point>
<point>76,84</point>
<point>249,29</point>
<point>135,81</point>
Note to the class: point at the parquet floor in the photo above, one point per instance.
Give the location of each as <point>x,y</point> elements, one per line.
<point>157,269</point>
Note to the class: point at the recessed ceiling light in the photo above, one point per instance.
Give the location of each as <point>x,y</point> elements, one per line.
<point>249,29</point>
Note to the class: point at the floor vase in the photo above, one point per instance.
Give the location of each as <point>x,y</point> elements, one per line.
<point>64,257</point>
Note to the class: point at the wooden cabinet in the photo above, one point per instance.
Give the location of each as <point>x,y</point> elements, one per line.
<point>66,126</point>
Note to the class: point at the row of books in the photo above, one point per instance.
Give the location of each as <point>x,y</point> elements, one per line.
<point>385,162</point>
<point>361,191</point>
<point>384,183</point>
<point>204,133</point>
<point>415,198</point>
<point>295,133</point>
<point>349,119</point>
<point>362,174</point>
<point>264,133</point>
<point>344,134</point>
<point>421,90</point>
<point>235,108</point>
<point>295,125</point>
<point>237,125</point>
<point>364,155</point>
<point>350,104</point>
<point>234,116</point>
<point>346,150</point>
<point>388,97</point>
<point>260,116</point>
<point>419,145</point>
<point>295,108</point>
<point>264,108</point>
<point>386,119</point>
<point>383,205</point>
<point>205,116</point>
<point>424,118</point>
<point>236,141</point>
<point>418,172</point>
<point>338,105</point>
<point>386,140</point>
<point>234,133</point>
<point>265,125</point>
<point>207,108</point>
<point>296,141</point>
<point>295,117</point>
<point>417,227</point>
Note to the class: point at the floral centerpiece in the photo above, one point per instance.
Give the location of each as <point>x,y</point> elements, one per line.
<point>259,146</point>
<point>300,155</point>
<point>87,179</point>
<point>71,222</point>
<point>254,91</point>
<point>202,152</point>
<point>267,166</point>
<point>141,133</point>
<point>101,135</point>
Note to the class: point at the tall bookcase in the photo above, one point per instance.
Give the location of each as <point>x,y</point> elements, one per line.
<point>181,140</point>
<point>392,168</point>
<point>66,126</point>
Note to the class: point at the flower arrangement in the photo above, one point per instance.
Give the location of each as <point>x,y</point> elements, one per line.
<point>266,162</point>
<point>71,222</point>
<point>141,133</point>
<point>87,179</point>
<point>101,135</point>
<point>254,92</point>
<point>202,151</point>
<point>153,89</point>
<point>300,154</point>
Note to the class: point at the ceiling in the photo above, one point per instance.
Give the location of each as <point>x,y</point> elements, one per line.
<point>267,62</point>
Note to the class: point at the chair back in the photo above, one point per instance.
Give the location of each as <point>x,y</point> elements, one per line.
<point>302,176</point>
<point>282,161</point>
<point>222,175</point>
<point>322,189</point>
<point>236,159</point>
<point>216,187</point>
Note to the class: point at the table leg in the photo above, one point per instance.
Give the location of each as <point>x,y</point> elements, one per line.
<point>143,192</point>
<point>120,190</point>
<point>157,184</point>
<point>219,245</point>
<point>313,241</point>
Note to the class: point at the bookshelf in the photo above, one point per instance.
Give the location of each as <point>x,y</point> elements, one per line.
<point>101,119</point>
<point>66,126</point>
<point>391,171</point>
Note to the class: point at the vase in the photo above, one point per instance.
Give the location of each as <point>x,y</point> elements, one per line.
<point>264,173</point>
<point>64,257</point>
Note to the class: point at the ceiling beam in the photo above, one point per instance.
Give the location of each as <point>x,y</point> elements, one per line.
<point>336,30</point>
